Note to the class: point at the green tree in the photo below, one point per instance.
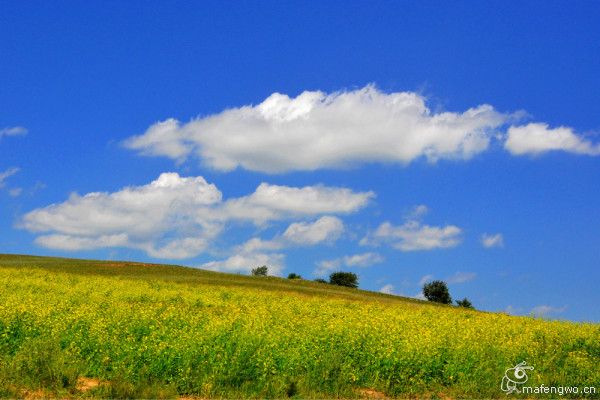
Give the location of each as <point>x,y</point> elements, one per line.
<point>294,276</point>
<point>464,303</point>
<point>437,291</point>
<point>340,278</point>
<point>260,271</point>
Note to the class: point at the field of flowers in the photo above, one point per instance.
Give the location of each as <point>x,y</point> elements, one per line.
<point>133,330</point>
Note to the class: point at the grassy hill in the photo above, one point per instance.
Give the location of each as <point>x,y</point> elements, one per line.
<point>81,328</point>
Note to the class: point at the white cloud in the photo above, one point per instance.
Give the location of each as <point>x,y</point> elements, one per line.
<point>177,217</point>
<point>317,130</point>
<point>7,174</point>
<point>141,210</point>
<point>362,260</point>
<point>326,266</point>
<point>414,236</point>
<point>160,218</point>
<point>537,138</point>
<point>257,245</point>
<point>324,229</point>
<point>537,311</point>
<point>462,277</point>
<point>387,289</point>
<point>12,192</point>
<point>73,243</point>
<point>245,262</point>
<point>13,131</point>
<point>356,260</point>
<point>417,212</point>
<point>425,279</point>
<point>183,247</point>
<point>419,296</point>
<point>492,240</point>
<point>545,310</point>
<point>164,138</point>
<point>270,202</point>
<point>173,249</point>
<point>459,277</point>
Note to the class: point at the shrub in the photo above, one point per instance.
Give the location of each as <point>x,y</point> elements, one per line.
<point>260,271</point>
<point>464,303</point>
<point>437,291</point>
<point>348,279</point>
<point>321,280</point>
<point>294,276</point>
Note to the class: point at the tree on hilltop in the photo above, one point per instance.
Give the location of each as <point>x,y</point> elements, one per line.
<point>260,271</point>
<point>464,303</point>
<point>437,291</point>
<point>348,279</point>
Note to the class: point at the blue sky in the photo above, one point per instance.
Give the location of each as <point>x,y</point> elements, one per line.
<point>391,139</point>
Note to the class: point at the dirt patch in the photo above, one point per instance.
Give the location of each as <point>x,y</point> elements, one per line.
<point>85,384</point>
<point>36,394</point>
<point>128,264</point>
<point>371,394</point>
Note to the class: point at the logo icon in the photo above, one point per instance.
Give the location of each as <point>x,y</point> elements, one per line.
<point>515,376</point>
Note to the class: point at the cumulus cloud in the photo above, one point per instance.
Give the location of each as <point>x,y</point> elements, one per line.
<point>417,212</point>
<point>462,277</point>
<point>270,202</point>
<point>387,289</point>
<point>492,240</point>
<point>141,210</point>
<point>257,245</point>
<point>160,218</point>
<point>537,138</point>
<point>73,243</point>
<point>256,252</point>
<point>324,229</point>
<point>419,296</point>
<point>545,310</point>
<point>13,131</point>
<point>318,130</point>
<point>326,266</point>
<point>537,311</point>
<point>356,260</point>
<point>245,262</point>
<point>178,217</point>
<point>425,279</point>
<point>413,235</point>
<point>362,260</point>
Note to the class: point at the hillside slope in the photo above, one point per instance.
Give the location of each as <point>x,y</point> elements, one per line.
<point>192,276</point>
<point>73,328</point>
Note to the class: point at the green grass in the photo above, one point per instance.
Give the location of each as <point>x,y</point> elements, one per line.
<point>148,331</point>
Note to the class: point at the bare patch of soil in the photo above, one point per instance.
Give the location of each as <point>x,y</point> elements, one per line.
<point>85,384</point>
<point>371,394</point>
